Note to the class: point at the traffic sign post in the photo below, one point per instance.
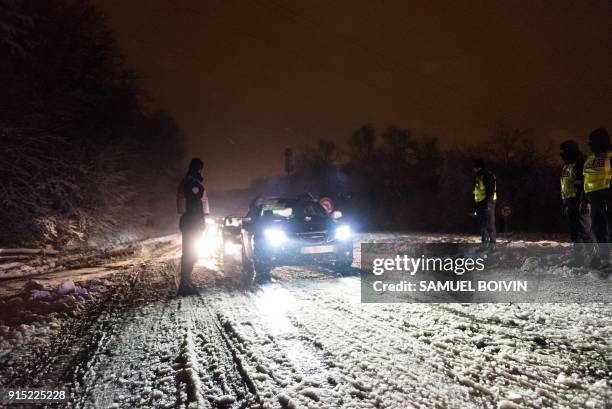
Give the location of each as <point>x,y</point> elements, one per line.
<point>505,212</point>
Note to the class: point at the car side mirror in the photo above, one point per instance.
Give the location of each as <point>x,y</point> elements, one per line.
<point>336,214</point>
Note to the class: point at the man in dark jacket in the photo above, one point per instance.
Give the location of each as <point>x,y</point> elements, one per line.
<point>572,194</point>
<point>190,203</point>
<point>598,192</point>
<point>485,196</point>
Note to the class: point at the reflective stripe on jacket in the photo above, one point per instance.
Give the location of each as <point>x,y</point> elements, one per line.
<point>568,181</point>
<point>480,192</point>
<point>597,172</point>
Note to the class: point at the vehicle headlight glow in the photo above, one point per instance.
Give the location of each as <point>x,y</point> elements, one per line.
<point>275,236</point>
<point>232,249</point>
<point>207,246</point>
<point>343,232</point>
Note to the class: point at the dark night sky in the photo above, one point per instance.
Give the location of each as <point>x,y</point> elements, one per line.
<point>247,78</point>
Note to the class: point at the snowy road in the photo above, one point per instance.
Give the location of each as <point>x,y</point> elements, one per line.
<point>309,342</point>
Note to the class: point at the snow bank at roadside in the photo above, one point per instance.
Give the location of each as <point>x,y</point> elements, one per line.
<point>24,262</point>
<point>39,309</point>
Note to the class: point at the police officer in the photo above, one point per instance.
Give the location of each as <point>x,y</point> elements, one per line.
<point>577,216</point>
<point>485,196</point>
<point>191,197</point>
<point>597,174</point>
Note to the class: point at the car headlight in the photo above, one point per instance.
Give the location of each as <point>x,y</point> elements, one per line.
<point>232,249</point>
<point>275,236</point>
<point>343,232</point>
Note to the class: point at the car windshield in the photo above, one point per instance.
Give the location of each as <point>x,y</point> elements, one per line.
<point>313,210</point>
<point>233,222</point>
<point>281,211</point>
<point>277,211</point>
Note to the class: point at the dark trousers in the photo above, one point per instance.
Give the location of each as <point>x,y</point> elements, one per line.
<point>579,223</point>
<point>191,229</point>
<point>580,230</point>
<point>485,213</point>
<point>601,208</point>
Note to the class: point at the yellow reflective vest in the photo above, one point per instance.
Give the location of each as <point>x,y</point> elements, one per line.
<point>480,193</point>
<point>568,181</point>
<point>597,172</point>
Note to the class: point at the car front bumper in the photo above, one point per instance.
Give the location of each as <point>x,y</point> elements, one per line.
<point>296,252</point>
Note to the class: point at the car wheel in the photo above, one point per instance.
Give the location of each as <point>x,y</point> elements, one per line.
<point>344,265</point>
<point>262,271</point>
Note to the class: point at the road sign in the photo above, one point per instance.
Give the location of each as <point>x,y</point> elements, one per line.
<point>506,210</point>
<point>327,204</point>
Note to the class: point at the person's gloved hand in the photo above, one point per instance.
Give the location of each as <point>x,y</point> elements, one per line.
<point>585,207</point>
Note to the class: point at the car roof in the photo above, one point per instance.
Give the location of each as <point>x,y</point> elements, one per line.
<point>282,200</point>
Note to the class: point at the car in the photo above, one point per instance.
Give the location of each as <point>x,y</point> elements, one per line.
<point>231,232</point>
<point>232,251</point>
<point>294,231</point>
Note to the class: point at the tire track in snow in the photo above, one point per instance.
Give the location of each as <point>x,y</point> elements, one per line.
<point>125,370</point>
<point>286,366</point>
<point>220,376</point>
<point>386,322</point>
<point>59,360</point>
<point>166,353</point>
<point>312,344</point>
<point>344,336</point>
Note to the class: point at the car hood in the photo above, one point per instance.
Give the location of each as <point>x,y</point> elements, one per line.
<point>293,227</point>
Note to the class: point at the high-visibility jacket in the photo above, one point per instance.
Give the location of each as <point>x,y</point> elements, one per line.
<point>597,172</point>
<point>480,192</point>
<point>568,181</point>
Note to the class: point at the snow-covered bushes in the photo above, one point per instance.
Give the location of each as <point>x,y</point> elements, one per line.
<point>80,153</point>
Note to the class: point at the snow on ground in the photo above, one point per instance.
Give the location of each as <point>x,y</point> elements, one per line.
<point>25,262</point>
<point>306,341</point>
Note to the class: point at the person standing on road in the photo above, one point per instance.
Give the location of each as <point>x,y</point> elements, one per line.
<point>485,196</point>
<point>572,192</point>
<point>192,205</point>
<point>597,175</point>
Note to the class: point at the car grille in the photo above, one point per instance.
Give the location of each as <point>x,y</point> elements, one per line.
<point>313,237</point>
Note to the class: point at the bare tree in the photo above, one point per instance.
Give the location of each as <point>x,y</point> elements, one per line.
<point>361,144</point>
